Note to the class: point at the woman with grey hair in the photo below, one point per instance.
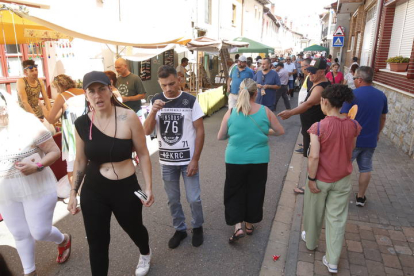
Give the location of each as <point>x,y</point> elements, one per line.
<point>246,159</point>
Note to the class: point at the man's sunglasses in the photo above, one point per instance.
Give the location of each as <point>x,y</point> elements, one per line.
<point>354,78</point>
<point>263,79</point>
<point>30,67</point>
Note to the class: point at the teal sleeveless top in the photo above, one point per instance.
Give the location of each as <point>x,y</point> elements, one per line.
<point>248,144</point>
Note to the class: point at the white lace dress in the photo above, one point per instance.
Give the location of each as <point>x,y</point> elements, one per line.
<point>15,145</point>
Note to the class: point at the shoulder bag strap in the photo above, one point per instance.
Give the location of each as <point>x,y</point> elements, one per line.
<point>333,77</point>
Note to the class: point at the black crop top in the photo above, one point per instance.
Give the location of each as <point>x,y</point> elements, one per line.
<point>98,150</point>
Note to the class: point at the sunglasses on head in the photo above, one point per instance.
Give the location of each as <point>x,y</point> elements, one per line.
<point>30,67</point>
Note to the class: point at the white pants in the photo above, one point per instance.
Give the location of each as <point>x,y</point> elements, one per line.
<point>28,221</point>
<point>232,100</point>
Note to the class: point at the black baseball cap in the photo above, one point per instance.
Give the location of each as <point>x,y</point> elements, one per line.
<point>95,76</point>
<point>317,64</point>
<point>281,64</point>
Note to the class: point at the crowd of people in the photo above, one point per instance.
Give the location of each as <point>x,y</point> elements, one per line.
<point>101,130</point>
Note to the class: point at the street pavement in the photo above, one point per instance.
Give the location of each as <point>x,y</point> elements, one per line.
<point>215,257</point>
<point>379,238</point>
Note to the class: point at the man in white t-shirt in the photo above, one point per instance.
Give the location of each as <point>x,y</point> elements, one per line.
<point>178,119</point>
<point>291,68</point>
<point>182,72</point>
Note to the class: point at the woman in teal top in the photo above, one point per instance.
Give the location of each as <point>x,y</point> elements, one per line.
<point>247,154</point>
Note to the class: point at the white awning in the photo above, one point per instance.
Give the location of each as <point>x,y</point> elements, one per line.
<point>99,28</point>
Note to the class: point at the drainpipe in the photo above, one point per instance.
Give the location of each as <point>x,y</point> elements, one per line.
<point>379,17</point>
<point>242,19</point>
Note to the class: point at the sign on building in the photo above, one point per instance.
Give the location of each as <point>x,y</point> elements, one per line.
<point>338,41</point>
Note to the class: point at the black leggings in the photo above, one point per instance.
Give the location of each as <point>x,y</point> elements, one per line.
<point>100,197</point>
<point>244,192</point>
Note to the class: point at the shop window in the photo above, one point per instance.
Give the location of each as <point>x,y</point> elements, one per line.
<point>13,60</point>
<point>233,19</point>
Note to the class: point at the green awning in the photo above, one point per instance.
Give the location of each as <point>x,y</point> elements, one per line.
<point>316,48</point>
<point>254,46</point>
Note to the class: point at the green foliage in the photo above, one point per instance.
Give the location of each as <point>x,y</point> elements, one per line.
<point>399,59</point>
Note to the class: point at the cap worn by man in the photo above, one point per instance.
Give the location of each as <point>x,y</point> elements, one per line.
<point>317,64</point>
<point>93,77</point>
<point>243,59</point>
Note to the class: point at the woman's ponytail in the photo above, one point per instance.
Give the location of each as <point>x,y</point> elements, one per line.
<point>248,88</point>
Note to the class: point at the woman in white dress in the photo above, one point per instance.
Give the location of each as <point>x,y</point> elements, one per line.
<point>27,184</point>
<point>349,78</point>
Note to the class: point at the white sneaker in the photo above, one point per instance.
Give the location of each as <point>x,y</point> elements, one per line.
<point>331,268</point>
<point>303,236</point>
<point>143,264</point>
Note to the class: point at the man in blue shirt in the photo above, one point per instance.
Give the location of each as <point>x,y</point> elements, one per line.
<point>372,111</point>
<point>267,83</point>
<point>237,76</point>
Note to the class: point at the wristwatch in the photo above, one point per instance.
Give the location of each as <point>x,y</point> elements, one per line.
<point>40,167</point>
<point>311,179</point>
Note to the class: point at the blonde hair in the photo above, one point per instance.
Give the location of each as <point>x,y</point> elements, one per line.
<point>248,88</point>
<point>63,82</point>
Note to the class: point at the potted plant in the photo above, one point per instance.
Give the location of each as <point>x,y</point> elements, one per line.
<point>398,64</point>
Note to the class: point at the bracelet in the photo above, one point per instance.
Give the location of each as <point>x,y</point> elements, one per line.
<point>311,179</point>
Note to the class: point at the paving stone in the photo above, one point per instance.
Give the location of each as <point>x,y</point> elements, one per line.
<point>369,244</point>
<point>318,256</point>
<point>383,240</point>
<point>408,231</point>
<point>375,268</point>
<point>302,247</point>
<point>352,236</point>
<point>393,271</point>
<point>354,246</point>
<point>366,235</point>
<point>306,257</point>
<point>373,255</point>
<point>343,264</point>
<point>397,235</point>
<point>379,231</point>
<point>403,250</point>
<point>356,258</point>
<point>320,268</point>
<point>406,261</point>
<point>391,261</point>
<point>364,227</point>
<point>408,271</point>
<point>321,246</point>
<point>304,269</point>
<point>352,228</point>
<point>400,243</point>
<point>387,250</point>
<point>358,270</point>
<point>343,272</point>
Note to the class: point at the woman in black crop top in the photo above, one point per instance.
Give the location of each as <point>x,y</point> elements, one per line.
<point>105,138</point>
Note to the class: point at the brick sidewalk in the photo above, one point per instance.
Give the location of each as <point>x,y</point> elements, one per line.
<point>379,238</point>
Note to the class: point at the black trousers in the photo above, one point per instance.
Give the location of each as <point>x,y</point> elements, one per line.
<point>100,198</point>
<point>306,143</point>
<point>244,192</point>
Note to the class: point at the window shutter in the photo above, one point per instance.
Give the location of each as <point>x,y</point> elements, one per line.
<point>408,33</point>
<point>366,53</point>
<point>397,29</point>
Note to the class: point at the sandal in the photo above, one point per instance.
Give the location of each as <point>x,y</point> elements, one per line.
<point>299,190</point>
<point>61,250</point>
<point>249,229</point>
<point>235,238</point>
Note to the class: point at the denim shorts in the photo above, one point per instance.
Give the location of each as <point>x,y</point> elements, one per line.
<point>364,158</point>
<point>290,83</point>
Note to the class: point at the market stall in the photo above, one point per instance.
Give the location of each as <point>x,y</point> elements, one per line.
<point>210,94</point>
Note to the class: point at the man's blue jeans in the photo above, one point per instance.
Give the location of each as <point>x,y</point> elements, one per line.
<point>171,178</point>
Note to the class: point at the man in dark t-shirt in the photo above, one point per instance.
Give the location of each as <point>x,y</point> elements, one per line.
<point>310,110</point>
<point>129,85</point>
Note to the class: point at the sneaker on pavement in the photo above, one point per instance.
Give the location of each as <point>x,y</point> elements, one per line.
<point>303,236</point>
<point>176,239</point>
<point>331,268</point>
<point>300,145</point>
<point>300,151</point>
<point>143,265</point>
<point>198,237</point>
<point>360,201</point>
